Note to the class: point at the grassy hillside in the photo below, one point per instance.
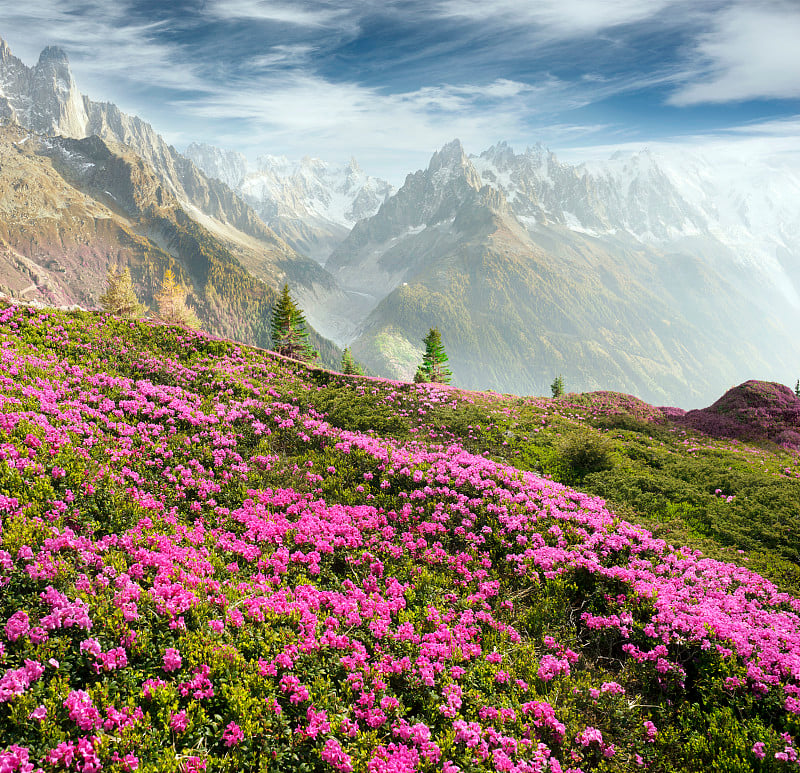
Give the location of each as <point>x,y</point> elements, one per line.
<point>213,559</point>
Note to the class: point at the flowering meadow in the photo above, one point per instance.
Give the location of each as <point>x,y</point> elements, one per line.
<point>213,559</point>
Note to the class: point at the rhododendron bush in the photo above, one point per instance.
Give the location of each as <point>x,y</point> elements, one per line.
<point>202,569</point>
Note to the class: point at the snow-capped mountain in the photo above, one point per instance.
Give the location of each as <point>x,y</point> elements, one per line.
<point>311,203</point>
<point>741,214</point>
<point>228,166</point>
<point>342,195</point>
<point>630,193</point>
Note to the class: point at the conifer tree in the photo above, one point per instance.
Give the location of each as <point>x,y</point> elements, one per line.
<point>120,298</point>
<point>288,329</point>
<point>434,361</point>
<point>171,301</point>
<point>349,366</point>
<point>557,387</point>
<point>797,389</point>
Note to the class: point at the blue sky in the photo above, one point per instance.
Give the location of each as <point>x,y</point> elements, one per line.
<point>389,82</point>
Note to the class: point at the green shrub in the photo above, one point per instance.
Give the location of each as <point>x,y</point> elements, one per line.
<point>585,452</point>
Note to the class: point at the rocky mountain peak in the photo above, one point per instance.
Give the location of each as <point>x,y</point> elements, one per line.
<point>450,166</point>
<point>451,155</point>
<point>43,98</point>
<point>501,155</point>
<point>54,54</point>
<point>226,165</point>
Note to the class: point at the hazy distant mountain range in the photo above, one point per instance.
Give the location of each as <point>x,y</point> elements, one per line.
<point>310,204</point>
<point>669,278</point>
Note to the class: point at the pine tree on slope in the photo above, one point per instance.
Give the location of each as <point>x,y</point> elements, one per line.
<point>434,361</point>
<point>349,366</point>
<point>288,329</point>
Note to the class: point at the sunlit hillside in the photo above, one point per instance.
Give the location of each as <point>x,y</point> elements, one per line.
<point>215,559</point>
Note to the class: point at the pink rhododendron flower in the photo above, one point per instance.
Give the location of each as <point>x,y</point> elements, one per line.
<point>17,625</point>
<point>589,736</point>
<point>334,755</point>
<point>172,659</point>
<point>179,721</point>
<point>232,735</point>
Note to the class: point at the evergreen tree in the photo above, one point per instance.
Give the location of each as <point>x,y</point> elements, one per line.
<point>171,301</point>
<point>434,361</point>
<point>797,389</point>
<point>288,329</point>
<point>557,387</point>
<point>120,298</point>
<point>349,366</point>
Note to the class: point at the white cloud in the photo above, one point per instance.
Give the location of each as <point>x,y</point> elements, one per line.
<point>740,144</point>
<point>282,56</point>
<point>266,10</point>
<point>101,43</point>
<point>753,52</point>
<point>565,18</point>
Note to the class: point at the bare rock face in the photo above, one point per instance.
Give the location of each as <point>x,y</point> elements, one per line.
<point>56,105</point>
<point>43,98</point>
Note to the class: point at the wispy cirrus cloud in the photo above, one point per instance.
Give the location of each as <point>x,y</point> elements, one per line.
<point>737,144</point>
<point>392,133</point>
<point>299,14</point>
<point>391,80</point>
<point>293,56</point>
<point>566,18</point>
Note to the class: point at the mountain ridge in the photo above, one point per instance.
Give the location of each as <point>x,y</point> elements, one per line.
<point>71,208</point>
<point>49,83</point>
